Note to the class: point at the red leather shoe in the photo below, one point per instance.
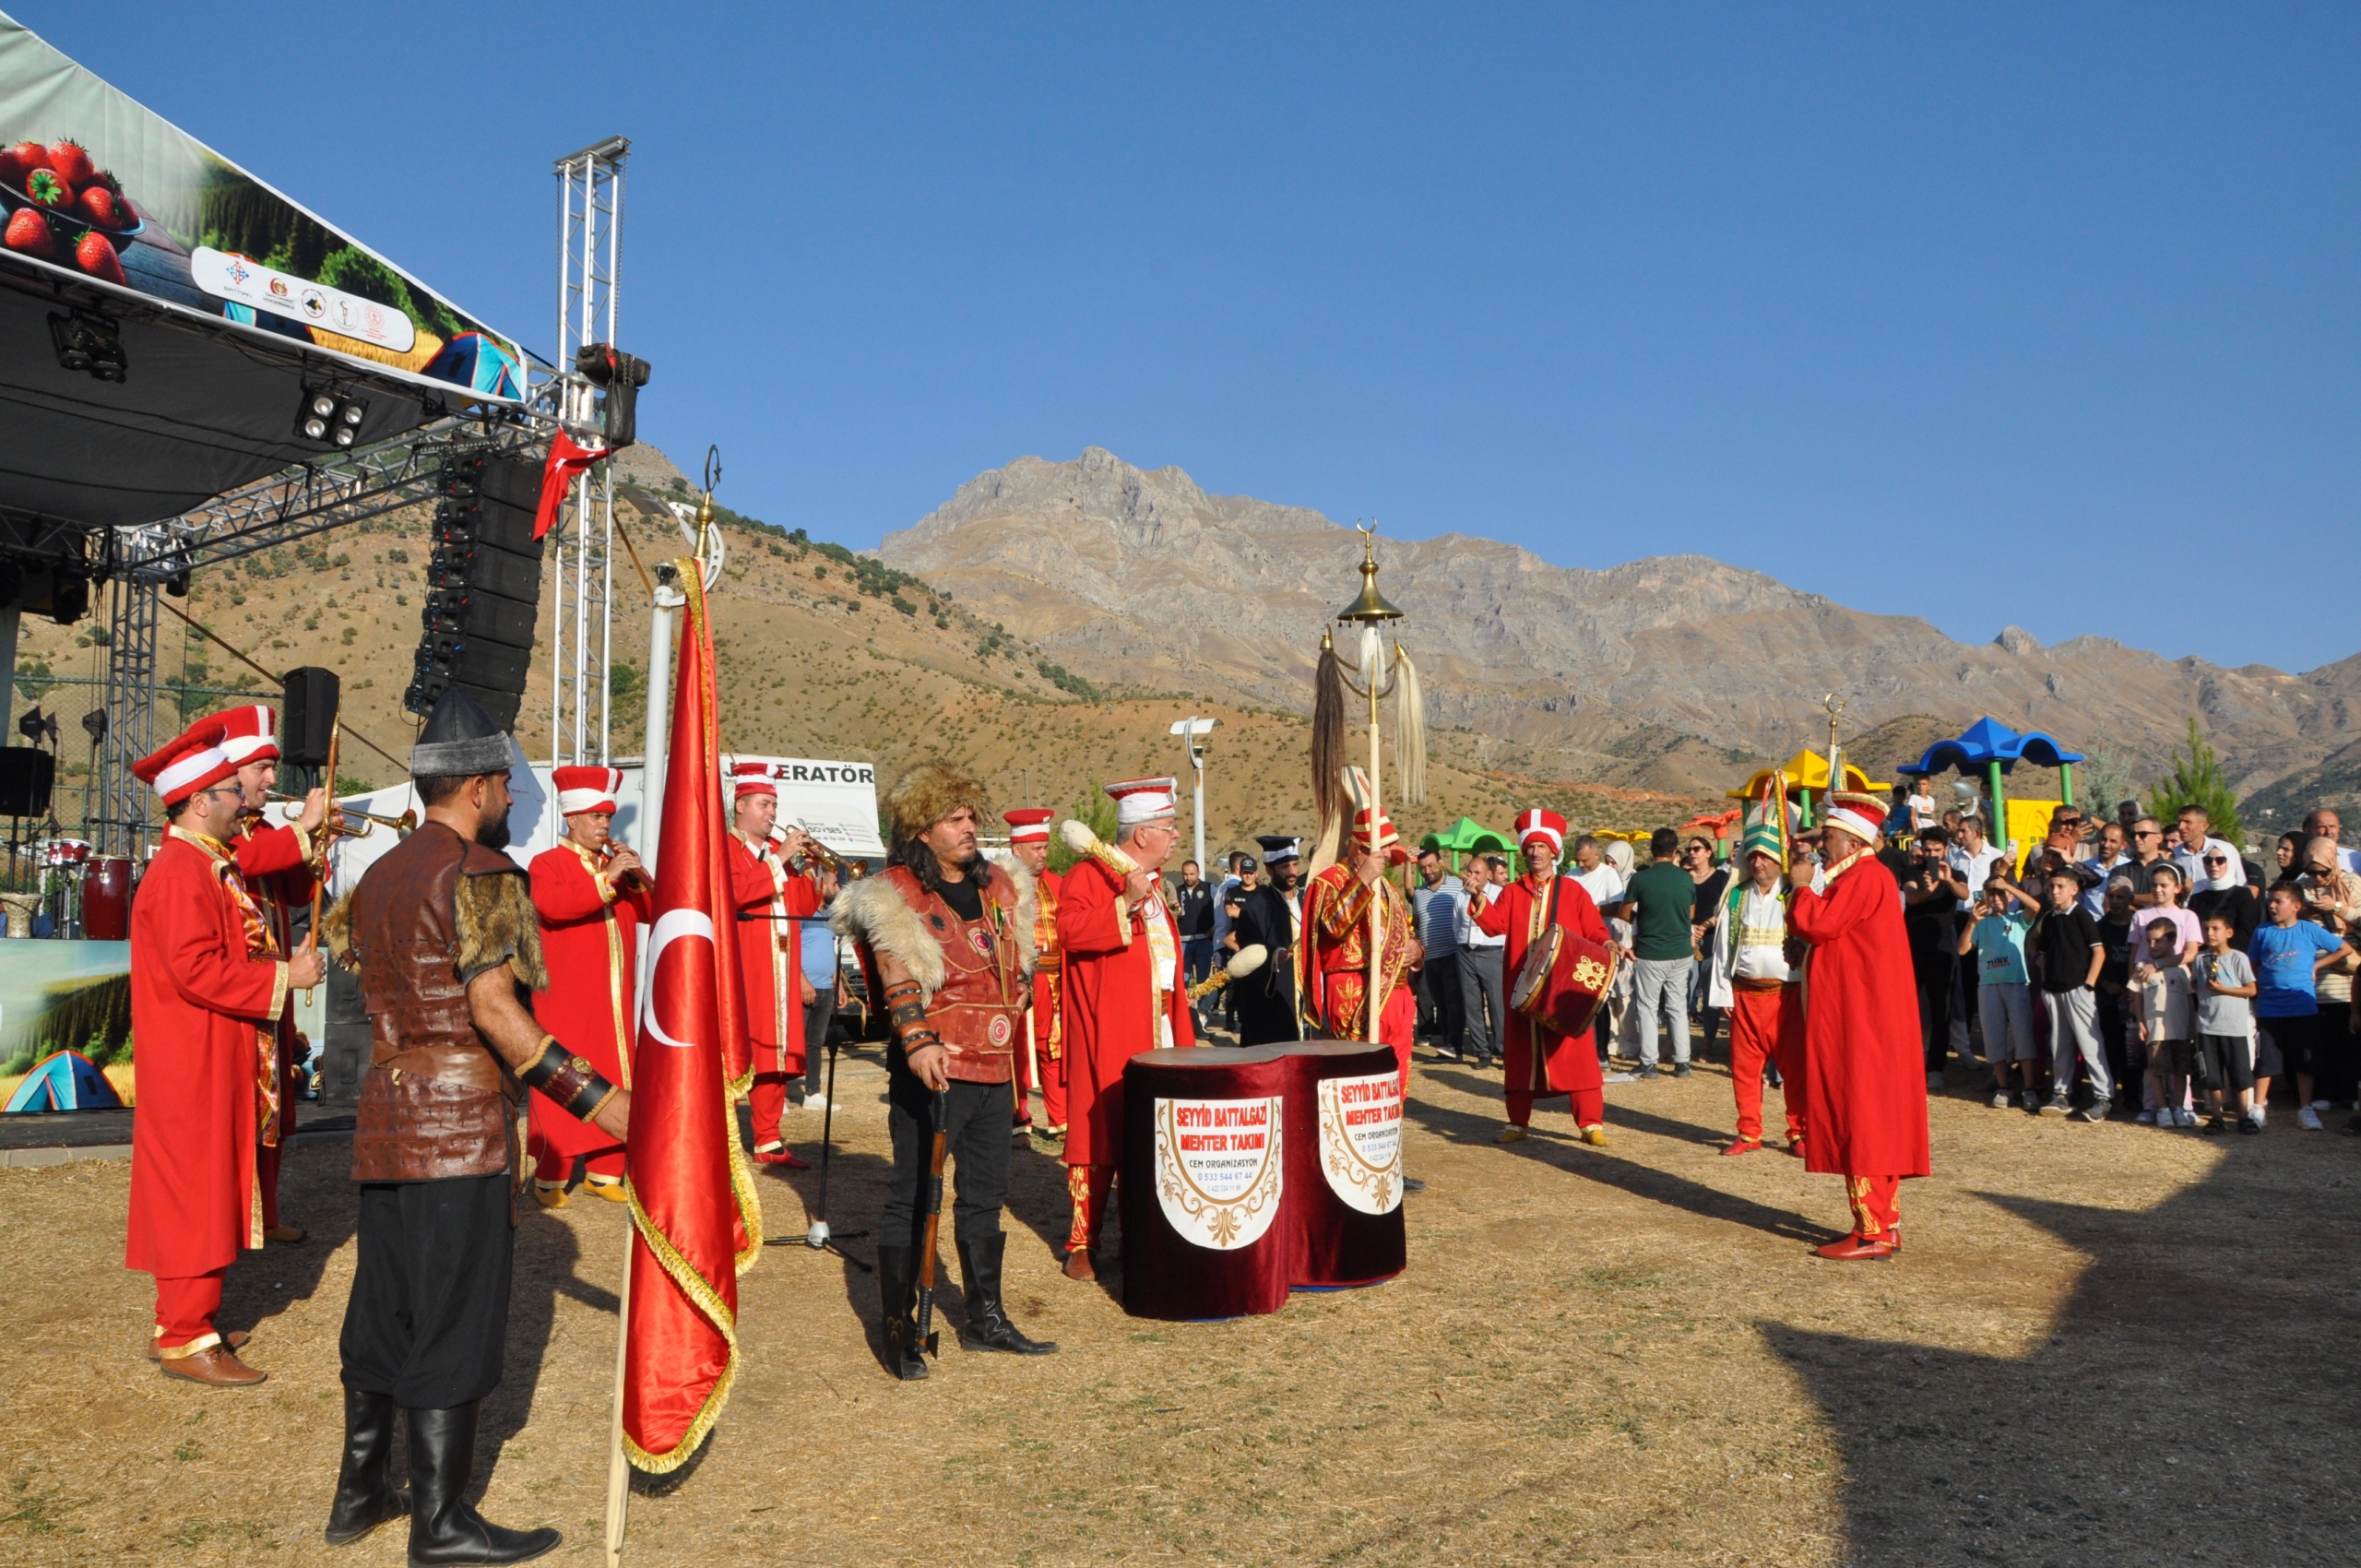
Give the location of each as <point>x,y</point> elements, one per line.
<point>781,1157</point>
<point>1745,1146</point>
<point>1856,1248</point>
<point>1796,1148</point>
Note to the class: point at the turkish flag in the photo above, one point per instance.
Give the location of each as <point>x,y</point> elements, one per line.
<point>692,1199</point>
<point>565,460</point>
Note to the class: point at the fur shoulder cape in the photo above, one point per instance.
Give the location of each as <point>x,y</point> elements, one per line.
<point>877,912</point>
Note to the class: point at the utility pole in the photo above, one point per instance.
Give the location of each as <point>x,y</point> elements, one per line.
<point>1193,730</point>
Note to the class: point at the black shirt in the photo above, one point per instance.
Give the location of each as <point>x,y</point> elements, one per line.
<point>2115,972</point>
<point>966,899</point>
<point>2063,943</point>
<point>2241,904</point>
<point>1193,907</point>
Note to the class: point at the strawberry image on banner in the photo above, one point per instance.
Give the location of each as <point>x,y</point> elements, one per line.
<point>692,1199</point>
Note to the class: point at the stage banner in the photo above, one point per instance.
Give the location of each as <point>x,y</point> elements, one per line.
<point>1360,1140</point>
<point>91,182</point>
<point>1219,1173</point>
<point>835,802</point>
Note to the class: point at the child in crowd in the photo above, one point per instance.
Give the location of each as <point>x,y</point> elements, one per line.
<point>2287,952</point>
<point>2003,985</point>
<point>2167,1023</point>
<point>2225,1026</point>
<point>2066,940</point>
<point>2187,935</point>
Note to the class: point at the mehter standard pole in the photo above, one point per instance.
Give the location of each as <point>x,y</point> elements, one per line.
<point>1371,609</point>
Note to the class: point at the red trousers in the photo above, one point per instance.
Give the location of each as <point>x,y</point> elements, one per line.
<point>267,1158</point>
<point>185,1309</point>
<point>1877,1205</point>
<point>1024,1062</point>
<point>767,1100</point>
<point>1087,1186</point>
<point>1767,1026</point>
<point>1589,1105</point>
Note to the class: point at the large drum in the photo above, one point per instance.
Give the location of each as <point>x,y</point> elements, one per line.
<point>1562,980</point>
<point>1249,1172</point>
<point>106,899</point>
<point>1344,1151</point>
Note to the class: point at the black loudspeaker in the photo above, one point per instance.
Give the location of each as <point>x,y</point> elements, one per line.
<point>25,775</point>
<point>483,586</point>
<point>619,376</point>
<point>307,716</point>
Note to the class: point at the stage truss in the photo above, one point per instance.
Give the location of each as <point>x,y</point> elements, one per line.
<point>336,491</point>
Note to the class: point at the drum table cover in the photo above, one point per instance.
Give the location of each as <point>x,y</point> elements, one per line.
<point>1228,1200</point>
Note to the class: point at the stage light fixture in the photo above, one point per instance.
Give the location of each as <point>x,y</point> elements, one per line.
<point>331,417</point>
<point>90,343</point>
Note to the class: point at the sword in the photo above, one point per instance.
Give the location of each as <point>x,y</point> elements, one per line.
<point>927,1337</point>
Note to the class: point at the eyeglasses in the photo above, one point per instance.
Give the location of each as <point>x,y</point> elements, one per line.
<point>2216,861</point>
<point>2147,833</point>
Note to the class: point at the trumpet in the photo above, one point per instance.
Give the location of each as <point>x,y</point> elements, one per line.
<point>369,820</point>
<point>828,856</point>
<point>607,853</point>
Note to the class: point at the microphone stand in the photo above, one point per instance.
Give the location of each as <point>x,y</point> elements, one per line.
<point>819,1239</point>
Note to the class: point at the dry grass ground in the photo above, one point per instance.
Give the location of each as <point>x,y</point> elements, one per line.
<point>2103,1345</point>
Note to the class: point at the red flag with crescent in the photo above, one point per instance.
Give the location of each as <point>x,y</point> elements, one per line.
<point>692,1198</point>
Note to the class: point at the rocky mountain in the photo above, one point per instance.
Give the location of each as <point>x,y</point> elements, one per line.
<point>1664,671</point>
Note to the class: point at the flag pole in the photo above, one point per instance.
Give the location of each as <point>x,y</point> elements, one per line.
<point>618,1465</point>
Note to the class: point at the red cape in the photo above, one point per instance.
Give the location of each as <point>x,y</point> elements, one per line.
<point>1865,1080</point>
<point>201,1013</point>
<point>1538,1060</point>
<point>770,955</point>
<point>1107,1007</point>
<point>591,942</point>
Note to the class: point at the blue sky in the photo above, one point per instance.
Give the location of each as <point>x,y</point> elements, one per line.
<point>2003,314</point>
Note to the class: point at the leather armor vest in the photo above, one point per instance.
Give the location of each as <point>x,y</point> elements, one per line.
<point>437,1102</point>
<point>980,1007</point>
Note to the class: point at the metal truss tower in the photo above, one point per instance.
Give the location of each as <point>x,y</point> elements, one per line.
<point>143,559</point>
<point>591,211</point>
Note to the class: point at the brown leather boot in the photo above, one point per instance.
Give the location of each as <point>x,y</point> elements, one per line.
<point>215,1368</point>
<point>1078,1265</point>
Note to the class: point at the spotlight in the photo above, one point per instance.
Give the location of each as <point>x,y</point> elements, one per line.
<point>331,417</point>
<point>69,597</point>
<point>92,343</point>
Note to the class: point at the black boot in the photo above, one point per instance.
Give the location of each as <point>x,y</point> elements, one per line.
<point>443,1528</point>
<point>897,1285</point>
<point>365,1494</point>
<point>987,1328</point>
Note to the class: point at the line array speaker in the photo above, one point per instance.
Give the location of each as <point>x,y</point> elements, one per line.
<point>483,586</point>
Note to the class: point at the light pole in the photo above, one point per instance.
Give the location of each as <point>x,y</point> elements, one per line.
<point>1192,728</point>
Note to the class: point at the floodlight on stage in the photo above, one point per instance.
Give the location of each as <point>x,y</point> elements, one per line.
<point>92,343</point>
<point>331,417</point>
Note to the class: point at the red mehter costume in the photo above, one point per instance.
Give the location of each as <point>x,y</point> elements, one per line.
<point>771,971</point>
<point>1336,944</point>
<point>1124,992</point>
<point>1036,1066</point>
<point>208,985</point>
<point>1865,1082</point>
<point>1047,1015</point>
<point>1538,1061</point>
<point>590,943</point>
<point>275,864</point>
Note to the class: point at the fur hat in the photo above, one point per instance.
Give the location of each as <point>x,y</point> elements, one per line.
<point>928,793</point>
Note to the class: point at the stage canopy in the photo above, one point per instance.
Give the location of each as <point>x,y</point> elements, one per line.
<point>225,302</point>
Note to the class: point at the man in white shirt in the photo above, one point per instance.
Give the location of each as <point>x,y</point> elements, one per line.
<point>1601,881</point>
<point>1483,989</point>
<point>2326,824</point>
<point>2195,838</point>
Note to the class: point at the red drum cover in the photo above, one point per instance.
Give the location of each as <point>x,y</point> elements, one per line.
<point>1563,978</point>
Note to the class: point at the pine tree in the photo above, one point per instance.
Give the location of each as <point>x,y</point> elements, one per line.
<point>2196,780</point>
<point>1094,809</point>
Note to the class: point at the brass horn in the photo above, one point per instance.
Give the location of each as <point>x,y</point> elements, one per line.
<point>400,824</point>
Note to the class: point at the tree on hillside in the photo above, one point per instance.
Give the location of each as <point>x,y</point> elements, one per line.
<point>1095,810</point>
<point>2196,780</point>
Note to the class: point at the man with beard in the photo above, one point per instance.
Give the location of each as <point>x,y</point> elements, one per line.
<point>1123,993</point>
<point>1337,919</point>
<point>1271,914</point>
<point>276,865</point>
<point>944,939</point>
<point>441,930</point>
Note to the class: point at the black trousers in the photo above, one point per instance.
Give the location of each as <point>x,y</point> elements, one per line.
<point>818,1014</point>
<point>977,1146</point>
<point>1439,981</point>
<point>1935,1012</point>
<point>428,1319</point>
